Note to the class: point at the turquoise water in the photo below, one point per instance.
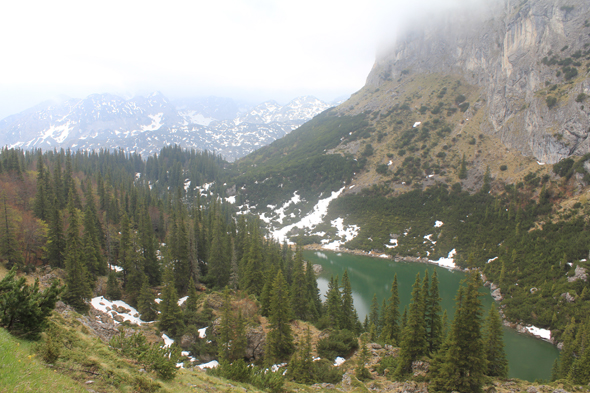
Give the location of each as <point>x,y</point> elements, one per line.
<point>529,358</point>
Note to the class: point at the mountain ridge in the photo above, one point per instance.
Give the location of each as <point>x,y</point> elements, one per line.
<point>144,124</point>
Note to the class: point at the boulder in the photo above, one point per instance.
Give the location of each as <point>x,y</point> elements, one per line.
<point>256,339</point>
<point>187,340</point>
<point>497,295</point>
<point>568,298</point>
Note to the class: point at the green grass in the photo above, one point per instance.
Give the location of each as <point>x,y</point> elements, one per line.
<point>22,371</point>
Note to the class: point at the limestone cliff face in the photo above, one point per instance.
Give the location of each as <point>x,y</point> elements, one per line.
<point>501,49</point>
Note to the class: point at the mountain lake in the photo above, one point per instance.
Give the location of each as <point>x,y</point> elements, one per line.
<point>529,358</point>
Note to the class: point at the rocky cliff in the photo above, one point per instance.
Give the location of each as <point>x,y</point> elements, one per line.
<point>530,59</point>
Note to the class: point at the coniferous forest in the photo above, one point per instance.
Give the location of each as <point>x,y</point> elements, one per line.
<point>150,232</point>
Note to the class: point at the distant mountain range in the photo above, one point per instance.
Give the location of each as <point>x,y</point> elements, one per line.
<point>146,124</point>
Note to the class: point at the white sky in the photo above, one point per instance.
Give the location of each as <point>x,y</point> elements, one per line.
<point>250,49</point>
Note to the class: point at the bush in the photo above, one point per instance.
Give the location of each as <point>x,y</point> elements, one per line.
<point>551,101</point>
<point>324,371</point>
<point>581,97</point>
<point>368,150</point>
<point>152,357</point>
<point>503,167</point>
<point>239,371</point>
<point>381,169</point>
<point>339,343</point>
<point>23,309</point>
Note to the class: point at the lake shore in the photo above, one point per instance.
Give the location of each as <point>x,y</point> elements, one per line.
<point>518,327</point>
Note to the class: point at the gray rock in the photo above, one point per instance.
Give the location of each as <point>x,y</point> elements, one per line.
<point>568,298</point>
<point>500,47</point>
<point>579,274</point>
<point>187,340</point>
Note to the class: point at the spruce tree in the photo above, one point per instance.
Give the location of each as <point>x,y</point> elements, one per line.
<point>463,168</point>
<point>9,249</point>
<point>146,304</point>
<point>391,327</point>
<point>334,303</point>
<point>497,364</point>
<point>224,339</point>
<point>348,314</point>
<point>461,362</point>
<point>299,300</point>
<point>314,301</point>
<point>113,289</point>
<point>567,355</point>
<point>301,368</point>
<point>41,204</point>
<point>360,370</point>
<point>279,340</point>
<point>433,318</point>
<point>374,313</point>
<point>170,312</point>
<point>77,285</point>
<point>56,246</point>
<point>413,340</point>
<point>191,314</point>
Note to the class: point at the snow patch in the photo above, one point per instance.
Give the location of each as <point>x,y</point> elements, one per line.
<point>346,234</point>
<point>449,261</point>
<point>203,332</point>
<point>438,224</point>
<point>311,220</point>
<point>167,341</point>
<point>211,364</point>
<point>543,333</point>
<point>416,124</point>
<point>338,361</point>
<point>100,303</point>
<point>492,259</point>
<point>155,124</point>
<point>182,300</point>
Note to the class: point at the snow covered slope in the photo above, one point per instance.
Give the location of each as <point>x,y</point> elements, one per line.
<point>146,124</point>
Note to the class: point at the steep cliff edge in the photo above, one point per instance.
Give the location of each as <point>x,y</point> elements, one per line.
<point>530,59</point>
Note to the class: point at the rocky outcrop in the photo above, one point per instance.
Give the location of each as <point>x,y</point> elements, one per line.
<point>506,47</point>
<point>579,274</point>
<point>256,339</point>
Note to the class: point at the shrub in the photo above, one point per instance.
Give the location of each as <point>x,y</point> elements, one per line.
<point>581,97</point>
<point>339,343</point>
<point>464,106</point>
<point>23,309</point>
<point>551,101</point>
<point>459,99</point>
<point>368,150</point>
<point>503,167</point>
<point>381,169</point>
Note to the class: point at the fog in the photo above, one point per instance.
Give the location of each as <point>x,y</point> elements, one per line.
<point>245,49</point>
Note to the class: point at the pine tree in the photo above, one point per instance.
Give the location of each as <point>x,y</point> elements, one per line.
<point>56,246</point>
<point>41,204</point>
<point>191,314</point>
<point>413,340</point>
<point>9,249</point>
<point>299,300</point>
<point>224,339</point>
<point>77,285</point>
<point>171,314</point>
<point>314,301</point>
<point>494,346</point>
<point>463,169</point>
<point>348,313</point>
<point>360,370</point>
<point>113,289</point>
<point>567,355</point>
<point>433,318</point>
<point>146,304</point>
<point>334,303</point>
<point>461,363</point>
<point>279,340</point>
<point>374,314</point>
<point>301,368</point>
<point>391,328</point>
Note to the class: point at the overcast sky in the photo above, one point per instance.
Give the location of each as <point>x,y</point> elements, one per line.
<point>250,49</point>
